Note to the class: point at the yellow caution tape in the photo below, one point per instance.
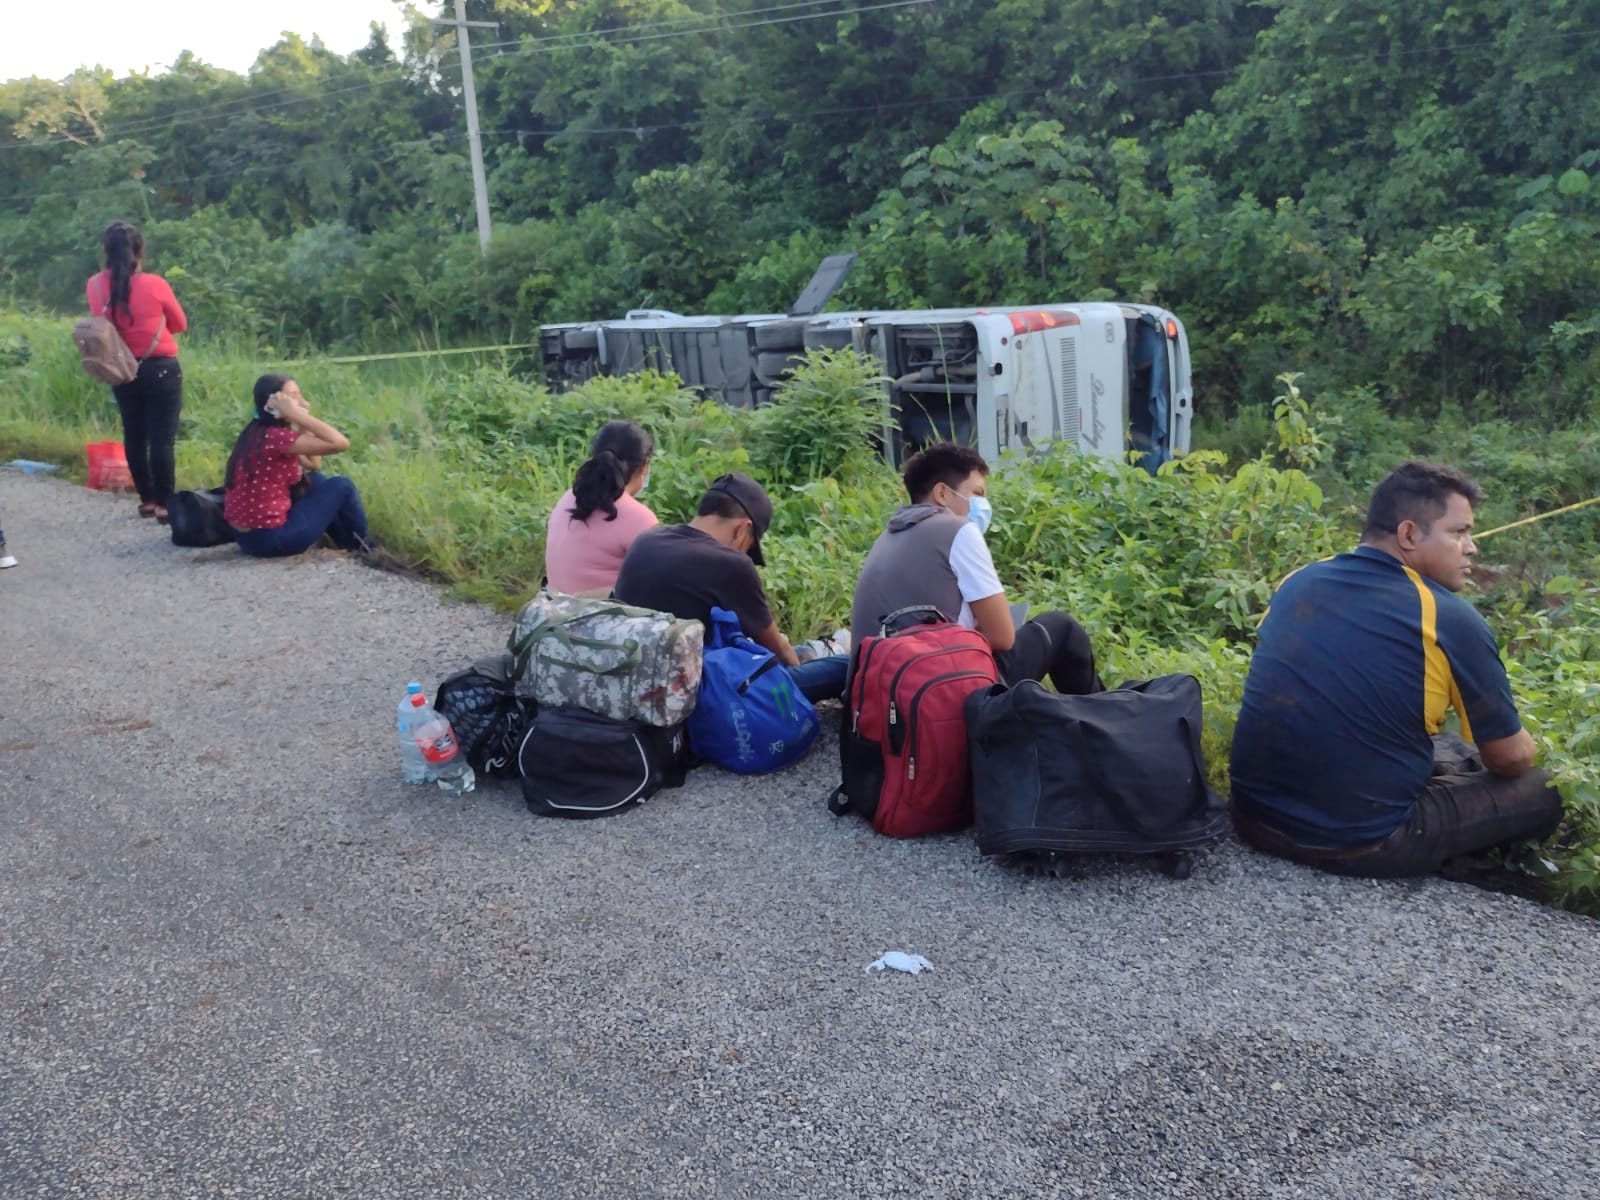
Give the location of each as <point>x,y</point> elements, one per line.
<point>366,358</point>
<point>1554,512</point>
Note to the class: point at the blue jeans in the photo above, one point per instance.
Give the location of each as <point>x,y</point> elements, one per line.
<point>332,507</point>
<point>821,678</point>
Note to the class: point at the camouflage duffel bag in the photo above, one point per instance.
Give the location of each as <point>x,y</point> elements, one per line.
<point>626,663</point>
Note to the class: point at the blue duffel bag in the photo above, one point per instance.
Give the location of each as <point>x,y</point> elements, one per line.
<point>750,717</point>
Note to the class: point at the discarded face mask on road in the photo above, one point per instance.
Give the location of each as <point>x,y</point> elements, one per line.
<point>899,960</point>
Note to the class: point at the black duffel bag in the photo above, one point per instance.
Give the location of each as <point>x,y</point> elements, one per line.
<point>575,763</point>
<point>1110,772</point>
<point>486,714</point>
<point>196,519</point>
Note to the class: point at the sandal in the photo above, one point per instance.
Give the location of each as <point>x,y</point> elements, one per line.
<point>147,510</point>
<point>160,514</point>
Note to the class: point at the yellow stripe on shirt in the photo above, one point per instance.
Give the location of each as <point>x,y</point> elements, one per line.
<point>1439,686</point>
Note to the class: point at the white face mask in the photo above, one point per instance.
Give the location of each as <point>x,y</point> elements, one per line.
<point>645,482</point>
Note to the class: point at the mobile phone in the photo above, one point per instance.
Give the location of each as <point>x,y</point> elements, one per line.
<point>271,407</point>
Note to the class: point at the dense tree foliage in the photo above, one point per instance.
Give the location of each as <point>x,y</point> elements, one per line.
<point>1399,198</point>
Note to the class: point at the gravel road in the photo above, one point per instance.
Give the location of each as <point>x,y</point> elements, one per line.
<point>238,957</point>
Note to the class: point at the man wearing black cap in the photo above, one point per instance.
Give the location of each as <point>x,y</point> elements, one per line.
<point>711,562</point>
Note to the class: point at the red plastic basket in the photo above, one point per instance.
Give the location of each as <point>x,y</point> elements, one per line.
<point>108,467</point>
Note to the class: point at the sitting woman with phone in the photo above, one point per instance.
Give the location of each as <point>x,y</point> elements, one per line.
<point>278,502</point>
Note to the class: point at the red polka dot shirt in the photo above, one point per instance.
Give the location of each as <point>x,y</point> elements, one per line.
<point>260,500</point>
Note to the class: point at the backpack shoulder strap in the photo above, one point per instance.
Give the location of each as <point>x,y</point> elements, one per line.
<point>156,341</point>
<point>105,311</point>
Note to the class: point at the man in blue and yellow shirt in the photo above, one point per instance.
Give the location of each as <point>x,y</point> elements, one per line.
<point>1339,757</point>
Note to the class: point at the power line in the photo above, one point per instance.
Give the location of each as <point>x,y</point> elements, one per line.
<point>793,118</point>
<point>393,151</point>
<point>598,41</point>
<point>554,42</point>
<point>557,42</point>
<point>700,22</point>
<point>635,130</point>
<point>206,117</point>
<point>790,118</point>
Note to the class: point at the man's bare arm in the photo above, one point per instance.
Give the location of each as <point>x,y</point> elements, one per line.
<point>1510,756</point>
<point>993,617</point>
<point>772,639</point>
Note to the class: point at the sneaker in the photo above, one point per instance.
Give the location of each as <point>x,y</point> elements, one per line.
<point>837,642</point>
<point>5,559</point>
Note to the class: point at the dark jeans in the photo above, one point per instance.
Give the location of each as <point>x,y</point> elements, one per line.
<point>1052,645</point>
<point>150,404</point>
<point>332,507</point>
<point>1463,809</point>
<point>821,678</point>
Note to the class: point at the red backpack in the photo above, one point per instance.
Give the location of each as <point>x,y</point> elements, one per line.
<point>903,743</point>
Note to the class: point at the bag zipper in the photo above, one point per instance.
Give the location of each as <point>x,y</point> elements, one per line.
<point>771,662</point>
<point>916,700</point>
<point>894,684</point>
<point>858,680</point>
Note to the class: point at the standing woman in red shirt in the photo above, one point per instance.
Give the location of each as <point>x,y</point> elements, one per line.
<point>278,502</point>
<point>146,314</point>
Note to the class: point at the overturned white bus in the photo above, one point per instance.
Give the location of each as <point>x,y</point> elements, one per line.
<point>1106,377</point>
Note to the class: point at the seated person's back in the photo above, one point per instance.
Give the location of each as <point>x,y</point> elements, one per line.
<point>711,563</point>
<point>1357,661</point>
<point>594,523</point>
<point>1340,759</point>
<point>685,571</point>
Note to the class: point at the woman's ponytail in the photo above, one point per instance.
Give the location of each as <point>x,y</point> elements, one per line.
<point>617,453</point>
<point>598,484</point>
<point>124,249</point>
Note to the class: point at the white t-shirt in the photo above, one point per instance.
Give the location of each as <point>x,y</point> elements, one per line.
<point>975,573</point>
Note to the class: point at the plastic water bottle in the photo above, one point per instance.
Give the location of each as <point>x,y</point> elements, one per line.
<point>443,752</point>
<point>413,766</point>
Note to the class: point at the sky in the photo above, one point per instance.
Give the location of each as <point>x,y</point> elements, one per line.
<point>128,36</point>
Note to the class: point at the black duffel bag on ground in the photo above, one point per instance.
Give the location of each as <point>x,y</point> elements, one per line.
<point>575,763</point>
<point>1115,772</point>
<point>488,717</point>
<point>196,519</point>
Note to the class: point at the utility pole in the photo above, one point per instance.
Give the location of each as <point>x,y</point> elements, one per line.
<point>480,183</point>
